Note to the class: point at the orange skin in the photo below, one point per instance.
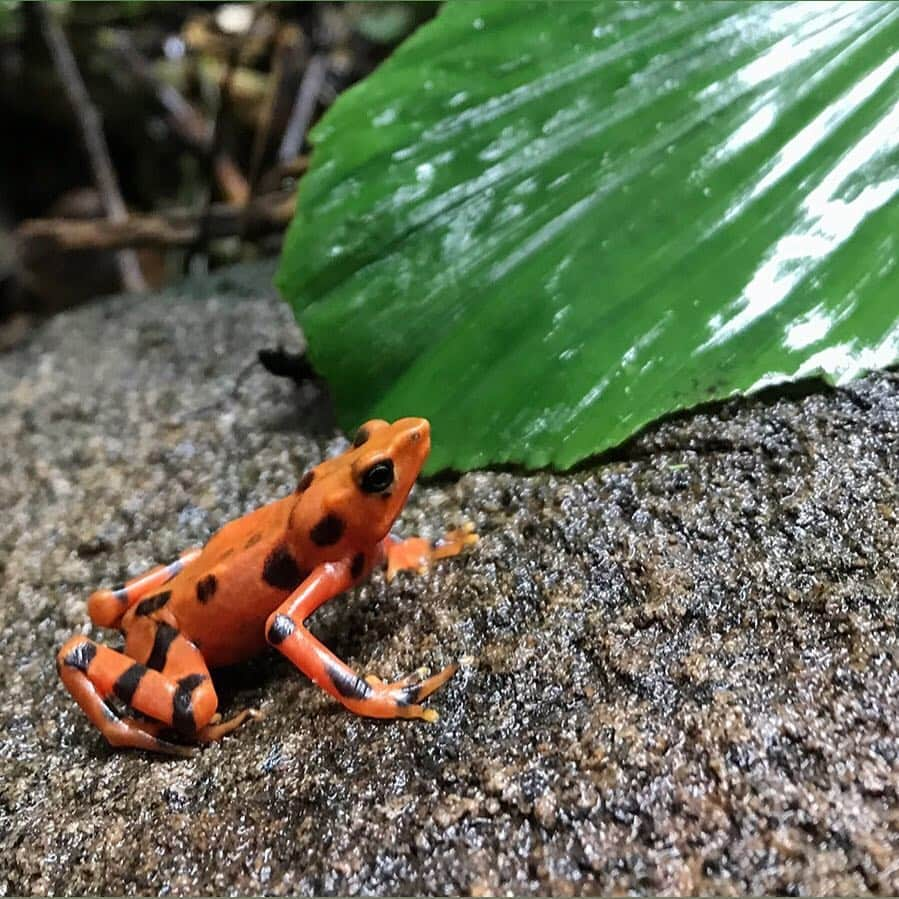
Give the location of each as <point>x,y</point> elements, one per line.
<point>255,583</point>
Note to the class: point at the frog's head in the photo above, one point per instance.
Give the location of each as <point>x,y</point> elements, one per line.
<point>351,501</point>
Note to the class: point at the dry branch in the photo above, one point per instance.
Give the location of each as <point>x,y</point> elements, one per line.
<point>267,214</point>
<point>92,134</point>
<point>287,68</point>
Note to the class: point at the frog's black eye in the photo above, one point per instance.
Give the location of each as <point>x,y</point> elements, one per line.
<point>361,436</point>
<point>378,477</point>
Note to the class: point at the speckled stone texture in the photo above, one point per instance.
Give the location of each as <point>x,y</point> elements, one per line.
<point>679,665</point>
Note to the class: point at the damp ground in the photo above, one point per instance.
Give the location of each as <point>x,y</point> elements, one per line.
<point>679,664</point>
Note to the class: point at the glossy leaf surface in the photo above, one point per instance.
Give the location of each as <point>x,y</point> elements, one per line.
<point>544,225</point>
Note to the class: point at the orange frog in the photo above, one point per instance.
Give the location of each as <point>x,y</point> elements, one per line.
<point>255,582</point>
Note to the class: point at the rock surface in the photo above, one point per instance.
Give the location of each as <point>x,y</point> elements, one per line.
<point>679,666</point>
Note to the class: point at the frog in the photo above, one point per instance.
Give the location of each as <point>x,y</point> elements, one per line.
<point>253,585</point>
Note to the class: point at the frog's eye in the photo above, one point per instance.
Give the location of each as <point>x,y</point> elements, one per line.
<point>361,436</point>
<point>377,477</point>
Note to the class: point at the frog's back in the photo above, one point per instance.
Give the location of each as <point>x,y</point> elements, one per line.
<point>222,598</point>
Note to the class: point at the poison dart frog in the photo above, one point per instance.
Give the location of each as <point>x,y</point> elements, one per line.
<point>254,583</point>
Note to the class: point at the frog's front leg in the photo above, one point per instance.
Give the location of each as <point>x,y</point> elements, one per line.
<point>286,631</point>
<point>416,553</point>
<point>160,674</point>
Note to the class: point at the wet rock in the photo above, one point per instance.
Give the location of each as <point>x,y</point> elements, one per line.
<point>679,664</point>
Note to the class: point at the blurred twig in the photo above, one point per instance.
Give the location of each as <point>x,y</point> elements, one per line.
<point>287,63</point>
<point>187,122</point>
<point>184,118</point>
<point>266,214</point>
<point>227,171</point>
<point>303,108</point>
<point>92,134</point>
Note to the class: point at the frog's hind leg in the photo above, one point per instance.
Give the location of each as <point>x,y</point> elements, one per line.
<point>92,673</point>
<point>162,647</point>
<point>106,607</point>
<point>171,686</point>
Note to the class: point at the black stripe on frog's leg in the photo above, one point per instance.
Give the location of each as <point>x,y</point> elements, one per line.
<point>357,566</point>
<point>165,636</point>
<point>81,656</point>
<point>282,627</point>
<point>128,681</point>
<point>347,684</point>
<point>410,695</point>
<point>182,704</point>
<point>152,603</point>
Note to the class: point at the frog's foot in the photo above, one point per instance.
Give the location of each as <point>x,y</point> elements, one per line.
<point>216,729</point>
<point>416,677</point>
<point>416,553</point>
<point>401,698</point>
<point>158,732</point>
<point>212,731</point>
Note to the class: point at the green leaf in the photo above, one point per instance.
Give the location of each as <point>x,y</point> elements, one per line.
<point>544,225</point>
<point>10,20</point>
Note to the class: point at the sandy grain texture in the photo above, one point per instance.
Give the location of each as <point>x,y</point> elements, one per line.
<point>681,664</point>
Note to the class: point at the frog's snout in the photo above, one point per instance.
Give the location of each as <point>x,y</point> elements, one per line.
<point>415,433</point>
<point>421,431</point>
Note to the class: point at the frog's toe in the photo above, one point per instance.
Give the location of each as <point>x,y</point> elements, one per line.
<point>402,698</point>
<point>216,729</point>
<point>411,690</point>
<point>416,677</point>
<point>155,730</point>
<point>420,712</point>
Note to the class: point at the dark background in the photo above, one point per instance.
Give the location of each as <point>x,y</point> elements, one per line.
<point>198,106</point>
